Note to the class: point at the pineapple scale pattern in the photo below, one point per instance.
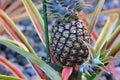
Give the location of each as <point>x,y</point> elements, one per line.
<point>67,44</point>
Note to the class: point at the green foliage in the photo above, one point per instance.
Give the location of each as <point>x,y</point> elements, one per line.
<point>4,77</point>
<point>53,75</point>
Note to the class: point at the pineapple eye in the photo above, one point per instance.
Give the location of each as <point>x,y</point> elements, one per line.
<point>84,47</point>
<point>66,49</point>
<point>80,38</point>
<point>80,60</point>
<point>79,32</point>
<point>61,29</point>
<point>73,51</point>
<point>73,22</point>
<point>67,26</point>
<point>55,42</point>
<point>73,30</point>
<point>62,59</point>
<point>81,52</point>
<point>59,44</point>
<point>54,30</point>
<point>62,40</point>
<point>68,63</point>
<point>58,50</point>
<point>72,58</point>
<point>79,24</point>
<point>57,34</point>
<point>77,45</point>
<point>64,54</point>
<point>69,44</point>
<point>66,33</point>
<point>72,37</point>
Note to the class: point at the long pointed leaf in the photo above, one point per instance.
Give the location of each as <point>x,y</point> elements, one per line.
<point>17,11</point>
<point>67,71</point>
<point>12,68</point>
<point>35,18</point>
<point>106,32</point>
<point>93,19</point>
<point>112,59</point>
<point>2,32</point>
<point>25,16</point>
<point>52,74</point>
<point>10,27</point>
<point>4,4</point>
<point>110,11</point>
<point>15,32</point>
<point>13,6</point>
<point>114,72</point>
<point>115,49</point>
<point>4,77</point>
<point>115,35</point>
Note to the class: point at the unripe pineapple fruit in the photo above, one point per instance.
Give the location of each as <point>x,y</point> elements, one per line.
<point>68,34</point>
<point>67,42</point>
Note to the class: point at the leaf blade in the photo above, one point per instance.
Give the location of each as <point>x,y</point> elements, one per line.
<point>4,77</point>
<point>67,71</point>
<point>46,68</point>
<point>113,37</point>
<point>35,18</point>
<point>14,32</point>
<point>12,68</point>
<point>106,31</point>
<point>93,19</point>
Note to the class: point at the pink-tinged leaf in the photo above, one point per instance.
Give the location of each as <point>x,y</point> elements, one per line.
<point>13,6</point>
<point>105,69</point>
<point>13,31</point>
<point>67,71</point>
<point>112,59</point>
<point>106,31</point>
<point>93,19</point>
<point>3,4</point>
<point>114,72</point>
<point>115,49</point>
<point>35,18</point>
<point>110,11</point>
<point>94,36</point>
<point>11,67</point>
<point>7,26</point>
<point>113,37</point>
<point>2,32</point>
<point>40,72</point>
<point>76,68</point>
<point>51,73</point>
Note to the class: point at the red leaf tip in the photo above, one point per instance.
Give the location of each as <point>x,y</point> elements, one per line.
<point>67,71</point>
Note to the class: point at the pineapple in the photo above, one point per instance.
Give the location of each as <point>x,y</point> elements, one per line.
<point>68,32</point>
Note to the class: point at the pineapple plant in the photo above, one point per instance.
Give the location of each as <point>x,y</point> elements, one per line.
<point>68,32</point>
<point>64,32</point>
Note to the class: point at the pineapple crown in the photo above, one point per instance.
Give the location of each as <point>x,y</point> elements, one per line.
<point>63,10</point>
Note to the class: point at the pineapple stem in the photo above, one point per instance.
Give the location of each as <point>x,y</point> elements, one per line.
<point>46,30</point>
